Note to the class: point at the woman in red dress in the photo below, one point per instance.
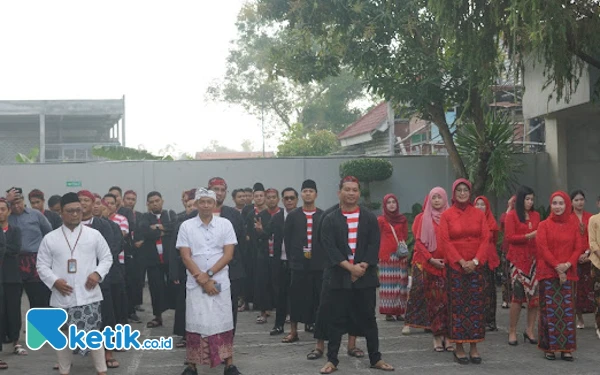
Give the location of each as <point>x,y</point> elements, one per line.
<point>558,250</point>
<point>520,232</point>
<point>429,255</point>
<point>464,237</point>
<point>505,264</point>
<point>493,261</point>
<point>393,267</point>
<point>585,286</point>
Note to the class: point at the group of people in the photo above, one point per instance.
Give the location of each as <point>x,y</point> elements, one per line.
<point>550,267</point>
<point>320,268</point>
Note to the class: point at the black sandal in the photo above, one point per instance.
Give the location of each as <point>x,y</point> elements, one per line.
<point>567,357</point>
<point>550,356</point>
<point>154,323</point>
<point>314,354</point>
<point>110,363</point>
<point>356,352</point>
<point>290,339</point>
<point>181,344</point>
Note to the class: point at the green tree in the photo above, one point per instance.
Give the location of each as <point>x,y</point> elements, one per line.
<point>367,170</point>
<point>31,157</point>
<point>125,153</point>
<point>279,101</point>
<point>560,35</point>
<point>316,143</point>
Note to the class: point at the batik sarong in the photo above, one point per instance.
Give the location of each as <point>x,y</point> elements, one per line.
<point>556,326</point>
<point>86,318</point>
<point>436,294</point>
<point>466,302</point>
<point>393,290</point>
<point>585,289</point>
<point>416,308</point>
<point>211,350</point>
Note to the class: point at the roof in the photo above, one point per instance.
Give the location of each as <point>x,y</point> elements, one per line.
<point>368,123</point>
<point>233,155</point>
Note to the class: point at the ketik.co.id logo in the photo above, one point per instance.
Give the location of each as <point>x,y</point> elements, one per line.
<point>44,326</point>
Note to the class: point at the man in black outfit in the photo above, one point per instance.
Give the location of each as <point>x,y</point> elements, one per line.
<point>157,227</point>
<point>284,275</point>
<point>37,202</point>
<point>350,236</point>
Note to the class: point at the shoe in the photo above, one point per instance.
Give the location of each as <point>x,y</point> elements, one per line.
<point>139,308</point>
<point>406,331</point>
<point>513,343</point>
<point>134,318</point>
<point>527,338</point>
<point>276,331</point>
<point>231,370</point>
<point>309,328</point>
<point>461,360</point>
<point>550,356</point>
<point>505,305</point>
<point>567,357</point>
<point>492,327</point>
<point>189,371</point>
<point>476,360</point>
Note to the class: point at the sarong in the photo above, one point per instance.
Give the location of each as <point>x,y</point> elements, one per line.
<point>585,289</point>
<point>416,309</point>
<point>211,350</point>
<point>506,280</point>
<point>557,316</point>
<point>525,286</point>
<point>436,294</point>
<point>393,290</point>
<point>596,279</point>
<point>466,302</point>
<point>490,297</point>
<point>86,318</point>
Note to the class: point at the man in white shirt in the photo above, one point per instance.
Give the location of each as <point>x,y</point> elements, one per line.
<point>72,260</point>
<point>206,244</point>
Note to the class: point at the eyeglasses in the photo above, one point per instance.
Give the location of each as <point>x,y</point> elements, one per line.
<point>73,211</point>
<point>460,191</point>
<point>289,198</point>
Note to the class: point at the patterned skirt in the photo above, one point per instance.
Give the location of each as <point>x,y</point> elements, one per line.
<point>524,285</point>
<point>596,282</point>
<point>211,350</point>
<point>490,297</point>
<point>436,294</point>
<point>416,308</point>
<point>557,316</point>
<point>86,318</point>
<point>393,290</point>
<point>466,301</point>
<point>506,280</point>
<point>585,289</point>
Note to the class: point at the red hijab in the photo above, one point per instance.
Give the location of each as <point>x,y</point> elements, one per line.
<point>489,217</point>
<point>566,216</point>
<point>462,206</point>
<point>393,217</point>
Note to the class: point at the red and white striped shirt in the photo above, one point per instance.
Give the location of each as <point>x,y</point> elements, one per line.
<point>309,231</point>
<point>352,220</point>
<point>124,226</point>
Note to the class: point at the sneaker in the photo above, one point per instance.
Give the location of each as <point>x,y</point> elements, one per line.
<point>276,331</point>
<point>232,370</point>
<point>406,330</point>
<point>134,318</point>
<point>189,371</point>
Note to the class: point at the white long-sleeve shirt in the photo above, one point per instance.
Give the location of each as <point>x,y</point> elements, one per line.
<point>92,255</point>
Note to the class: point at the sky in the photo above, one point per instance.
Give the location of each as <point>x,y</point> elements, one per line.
<point>162,55</point>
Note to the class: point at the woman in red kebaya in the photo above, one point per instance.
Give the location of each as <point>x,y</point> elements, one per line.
<point>505,264</point>
<point>464,237</point>
<point>493,261</point>
<point>520,232</point>
<point>586,303</point>
<point>393,267</point>
<point>429,255</point>
<point>558,250</point>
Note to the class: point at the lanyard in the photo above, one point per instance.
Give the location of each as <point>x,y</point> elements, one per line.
<point>76,241</point>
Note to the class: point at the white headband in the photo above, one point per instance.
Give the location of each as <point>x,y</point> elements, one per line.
<point>205,193</point>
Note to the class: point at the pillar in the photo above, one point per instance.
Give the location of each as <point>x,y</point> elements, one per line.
<point>556,147</point>
<point>42,138</point>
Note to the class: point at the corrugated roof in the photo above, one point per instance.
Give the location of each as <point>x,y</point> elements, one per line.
<point>367,123</point>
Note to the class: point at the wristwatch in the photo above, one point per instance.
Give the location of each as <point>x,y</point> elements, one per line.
<point>210,273</point>
<point>476,261</point>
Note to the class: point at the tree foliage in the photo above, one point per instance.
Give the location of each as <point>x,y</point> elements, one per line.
<point>281,102</point>
<point>125,153</point>
<point>561,35</point>
<point>316,143</point>
<point>31,157</point>
<point>490,156</point>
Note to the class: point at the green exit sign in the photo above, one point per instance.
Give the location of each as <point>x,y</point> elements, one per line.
<point>73,183</point>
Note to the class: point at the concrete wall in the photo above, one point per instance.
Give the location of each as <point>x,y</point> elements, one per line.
<point>412,179</point>
<point>583,158</point>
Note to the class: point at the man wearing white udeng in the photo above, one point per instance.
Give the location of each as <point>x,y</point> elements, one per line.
<point>71,261</point>
<point>206,245</point>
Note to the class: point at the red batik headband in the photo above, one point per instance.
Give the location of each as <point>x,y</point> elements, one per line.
<point>87,194</point>
<point>130,192</point>
<point>217,181</point>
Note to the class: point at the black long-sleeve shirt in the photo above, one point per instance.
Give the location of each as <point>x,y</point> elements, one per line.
<point>10,245</point>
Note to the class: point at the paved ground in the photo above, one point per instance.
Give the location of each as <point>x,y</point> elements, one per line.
<point>258,353</point>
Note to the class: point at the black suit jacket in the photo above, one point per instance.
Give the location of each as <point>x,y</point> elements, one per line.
<point>334,238</point>
<point>106,229</point>
<point>259,242</point>
<point>54,219</point>
<point>276,227</point>
<point>149,253</point>
<point>295,240</point>
<point>10,246</point>
<point>236,266</point>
